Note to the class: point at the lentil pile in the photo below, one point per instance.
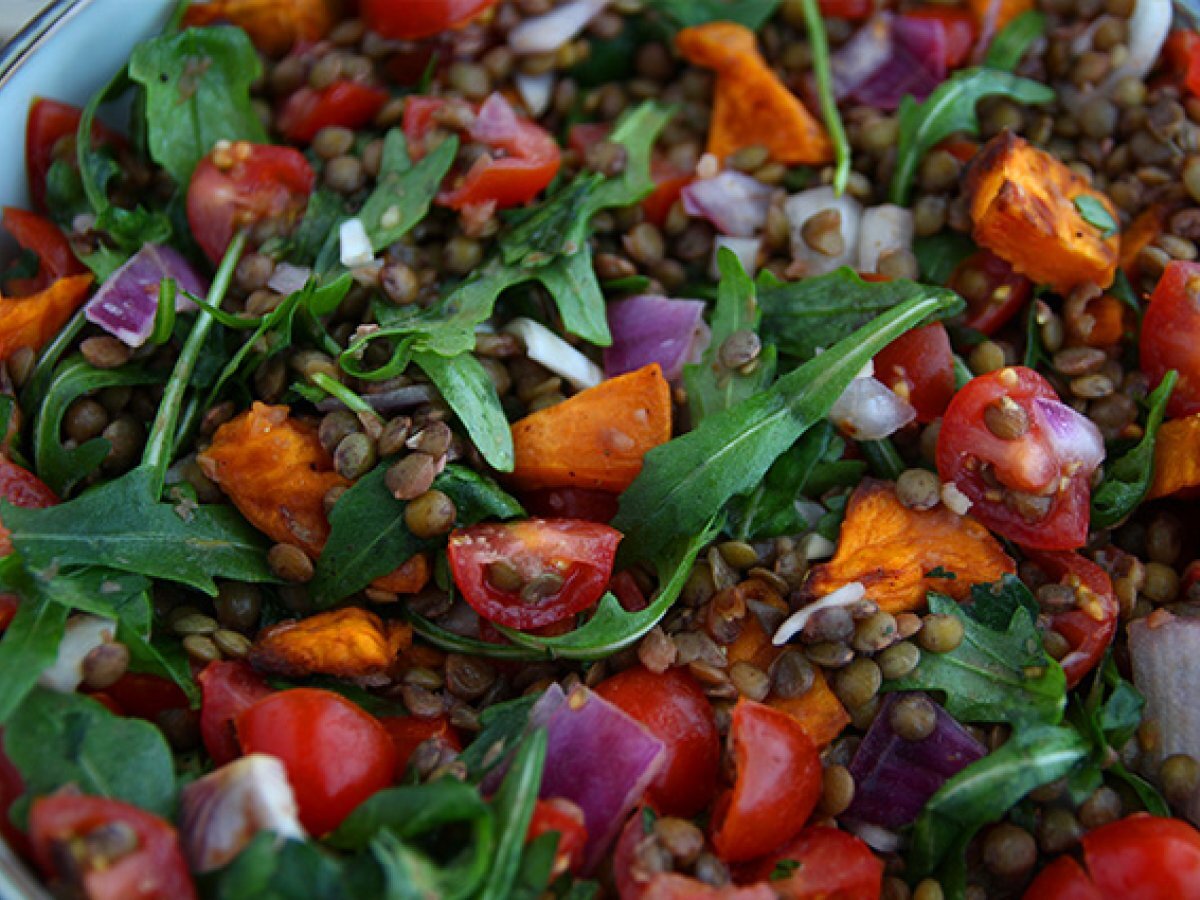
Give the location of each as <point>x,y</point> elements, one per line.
<point>610,448</point>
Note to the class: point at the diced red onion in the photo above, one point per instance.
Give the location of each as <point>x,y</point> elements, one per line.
<point>744,248</point>
<point>221,813</point>
<point>536,91</point>
<point>288,279</point>
<point>1074,437</point>
<point>890,57</point>
<point>802,207</point>
<point>885,229</point>
<point>869,410</point>
<point>126,304</point>
<point>648,329</point>
<point>1148,29</point>
<point>733,202</point>
<point>598,758</point>
<point>83,634</point>
<point>387,402</point>
<point>496,121</point>
<point>549,32</point>
<point>894,777</point>
<point>867,51</point>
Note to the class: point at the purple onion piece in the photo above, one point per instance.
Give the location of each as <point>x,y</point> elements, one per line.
<point>895,777</point>
<point>862,56</point>
<point>597,757</point>
<point>648,329</point>
<point>126,304</point>
<point>734,203</point>
<point>891,57</point>
<point>1073,435</point>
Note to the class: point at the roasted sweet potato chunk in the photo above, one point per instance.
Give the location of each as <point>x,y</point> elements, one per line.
<point>892,550</point>
<point>344,643</point>
<point>1176,457</point>
<point>1023,204</point>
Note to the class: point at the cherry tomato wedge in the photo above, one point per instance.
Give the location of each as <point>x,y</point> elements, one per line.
<point>1170,332</point>
<point>958,26</point>
<point>534,572</point>
<point>1182,55</point>
<point>854,10</point>
<point>993,291</point>
<point>1090,627</point>
<point>50,135</point>
<point>12,786</point>
<point>144,696</point>
<point>674,709</point>
<point>1001,444</point>
<point>42,237</point>
<point>344,104</point>
<point>20,487</point>
<point>8,609</point>
<point>572,503</point>
<point>820,862</point>
<point>408,21</point>
<point>1139,857</point>
<point>335,754</point>
<point>409,732</point>
<point>777,787</point>
<point>565,819</point>
<point>227,689</point>
<point>919,367</point>
<point>241,185</point>
<point>152,870</point>
<point>524,158</point>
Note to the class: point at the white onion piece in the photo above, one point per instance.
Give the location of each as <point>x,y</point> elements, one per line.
<point>544,346</point>
<point>879,839</point>
<point>536,92</point>
<point>1148,29</point>
<point>221,813</point>
<point>83,634</point>
<point>546,33</point>
<point>733,202</point>
<point>744,248</point>
<point>802,207</point>
<point>288,279</point>
<point>809,510</point>
<point>1074,436</point>
<point>846,595</point>
<point>354,244</point>
<point>816,546</point>
<point>884,229</point>
<point>1165,652</point>
<point>869,410</point>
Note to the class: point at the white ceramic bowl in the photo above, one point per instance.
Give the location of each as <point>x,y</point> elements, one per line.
<point>67,53</point>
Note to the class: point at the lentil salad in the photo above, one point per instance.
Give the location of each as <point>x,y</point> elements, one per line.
<point>620,448</point>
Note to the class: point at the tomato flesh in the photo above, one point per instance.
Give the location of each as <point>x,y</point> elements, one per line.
<point>50,124</point>
<point>1182,55</point>
<point>674,709</point>
<point>154,870</point>
<point>919,367</point>
<point>1090,628</point>
<point>42,237</point>
<point>227,688</point>
<point>827,863</point>
<point>532,573</point>
<point>777,788</point>
<point>12,786</point>
<point>1170,332</point>
<point>407,21</point>
<point>993,291</point>
<point>240,185</point>
<point>565,819</point>
<point>344,104</point>
<point>409,732</point>
<point>336,755</point>
<point>958,25</point>
<point>145,696</point>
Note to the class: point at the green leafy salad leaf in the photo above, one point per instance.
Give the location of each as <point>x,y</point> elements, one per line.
<point>30,643</point>
<point>466,386</point>
<point>1096,214</point>
<point>686,13</point>
<point>1014,40</point>
<point>938,255</point>
<point>513,805</point>
<point>818,41</point>
<point>403,191</point>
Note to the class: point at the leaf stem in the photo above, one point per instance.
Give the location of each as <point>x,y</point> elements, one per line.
<point>160,444</point>
<point>882,458</point>
<point>819,42</point>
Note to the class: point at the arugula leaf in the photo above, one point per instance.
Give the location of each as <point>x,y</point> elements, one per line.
<point>801,317</point>
<point>1123,291</point>
<point>406,873</point>
<point>993,675</point>
<point>536,867</point>
<point>818,41</point>
<point>368,537</point>
<point>571,283</point>
<point>325,210</point>
<point>636,131</point>
<point>686,13</point>
<point>1013,41</point>
<point>1127,479</point>
<point>938,255</point>
<point>513,806</point>
<point>1096,214</point>
<point>711,387</point>
<point>56,739</point>
<point>554,228</point>
<point>688,480</point>
<point>29,645</point>
<point>994,605</point>
<point>197,85</point>
<point>982,793</point>
<point>1035,354</point>
<point>466,386</point>
<point>403,191</point>
<point>883,459</point>
<point>271,869</point>
<point>502,725</point>
<point>948,110</point>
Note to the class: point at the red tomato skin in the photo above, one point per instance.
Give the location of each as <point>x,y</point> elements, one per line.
<point>1088,638</point>
<point>20,487</point>
<point>409,732</point>
<point>49,122</point>
<point>674,709</point>
<point>344,104</point>
<point>407,21</point>
<point>56,259</point>
<point>1063,879</point>
<point>1026,464</point>
<point>1142,857</point>
<point>1006,294</point>
<point>919,366</point>
<point>854,10</point>
<point>833,865</point>
<point>777,788</point>
<point>336,755</point>
<point>1182,53</point>
<point>12,786</point>
<point>566,819</point>
<point>144,696</point>
<point>1170,332</point>
<point>243,183</point>
<point>8,609</point>
<point>958,26</point>
<point>572,503</point>
<point>582,553</point>
<point>156,870</point>
<point>228,688</point>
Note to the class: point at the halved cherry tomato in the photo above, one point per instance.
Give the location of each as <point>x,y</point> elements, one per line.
<point>1022,488</point>
<point>958,26</point>
<point>42,237</point>
<point>919,366</point>
<point>8,609</point>
<point>407,21</point>
<point>565,819</point>
<point>668,187</point>
<point>227,688</point>
<point>145,696</point>
<point>336,755</point>
<point>1139,857</point>
<point>241,184</point>
<point>572,503</point>
<point>344,104</point>
<point>1090,627</point>
<point>674,709</point>
<point>993,291</point>
<point>409,732</point>
<point>854,10</point>
<point>1170,333</point>
<point>524,160</point>
<point>12,786</point>
<point>625,588</point>
<point>534,572</point>
<point>49,123</point>
<point>822,862</point>
<point>20,487</point>
<point>154,870</point>
<point>1182,55</point>
<point>777,788</point>
<point>274,26</point>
